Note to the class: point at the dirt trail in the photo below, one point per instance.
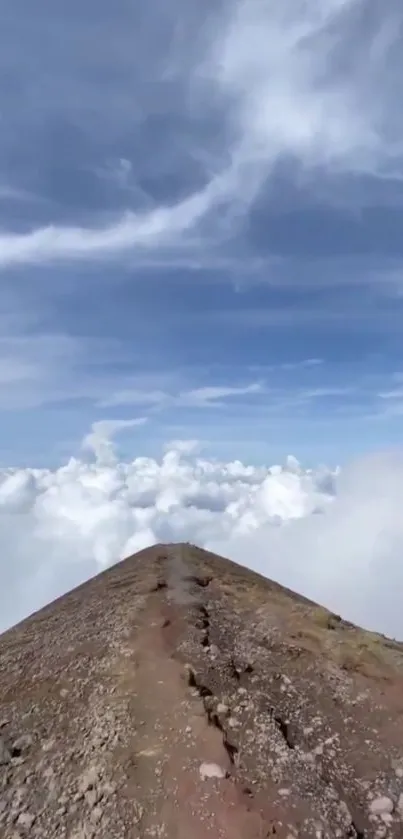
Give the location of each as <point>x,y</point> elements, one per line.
<point>175,742</point>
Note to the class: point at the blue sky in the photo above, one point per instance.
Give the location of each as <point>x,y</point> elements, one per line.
<point>201,226</point>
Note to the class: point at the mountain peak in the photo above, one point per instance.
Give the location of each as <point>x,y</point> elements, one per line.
<point>181,696</point>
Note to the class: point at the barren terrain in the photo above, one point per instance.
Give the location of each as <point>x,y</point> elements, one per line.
<point>180,696</point>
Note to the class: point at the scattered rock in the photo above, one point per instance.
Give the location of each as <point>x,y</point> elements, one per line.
<point>48,745</point>
<point>92,797</point>
<point>387,818</point>
<point>96,815</point>
<point>88,780</point>
<point>211,770</point>
<point>381,805</point>
<point>381,832</point>
<point>108,788</point>
<point>26,820</point>
<point>138,812</point>
<point>5,755</point>
<point>22,743</point>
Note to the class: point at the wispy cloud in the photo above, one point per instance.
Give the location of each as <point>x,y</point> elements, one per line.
<point>360,315</point>
<point>314,82</point>
<point>134,396</point>
<point>214,395</point>
<point>392,394</point>
<point>305,362</point>
<point>39,369</point>
<point>388,404</point>
<point>202,397</point>
<point>8,193</point>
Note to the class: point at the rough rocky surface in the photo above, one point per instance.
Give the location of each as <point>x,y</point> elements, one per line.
<point>179,696</point>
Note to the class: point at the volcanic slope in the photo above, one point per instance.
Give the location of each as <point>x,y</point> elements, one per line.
<point>179,696</point>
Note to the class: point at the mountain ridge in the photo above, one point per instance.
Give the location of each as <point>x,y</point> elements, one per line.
<point>178,694</point>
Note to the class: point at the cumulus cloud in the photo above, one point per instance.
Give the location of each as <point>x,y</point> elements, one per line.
<point>336,536</point>
<point>100,439</point>
<point>313,81</point>
<point>348,558</point>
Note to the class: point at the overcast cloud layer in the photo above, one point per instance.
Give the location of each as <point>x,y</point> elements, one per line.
<point>334,536</point>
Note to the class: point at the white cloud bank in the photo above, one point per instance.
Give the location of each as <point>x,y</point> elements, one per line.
<point>337,537</point>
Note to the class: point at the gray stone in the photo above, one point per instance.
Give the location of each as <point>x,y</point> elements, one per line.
<point>22,743</point>
<point>96,815</point>
<point>381,805</point>
<point>211,770</point>
<point>5,756</point>
<point>88,779</point>
<point>26,820</point>
<point>92,797</point>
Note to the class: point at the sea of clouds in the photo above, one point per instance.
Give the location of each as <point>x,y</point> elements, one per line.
<point>336,536</point>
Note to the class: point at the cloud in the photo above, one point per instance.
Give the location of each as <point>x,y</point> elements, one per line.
<point>336,536</point>
<point>359,316</point>
<point>31,366</point>
<point>99,440</point>
<point>348,558</point>
<point>314,82</point>
<point>74,374</point>
<point>207,396</point>
<point>118,171</point>
<point>202,397</point>
<point>155,229</point>
<point>14,194</point>
<point>305,362</point>
<point>397,393</point>
<point>13,370</point>
<point>389,404</point>
<point>134,396</point>
<point>44,368</point>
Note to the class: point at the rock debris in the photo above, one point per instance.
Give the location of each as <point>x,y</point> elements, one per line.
<point>179,695</point>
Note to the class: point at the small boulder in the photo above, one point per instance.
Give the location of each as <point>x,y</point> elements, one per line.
<point>380,806</point>
<point>22,743</point>
<point>5,754</point>
<point>211,770</point>
<point>25,820</point>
